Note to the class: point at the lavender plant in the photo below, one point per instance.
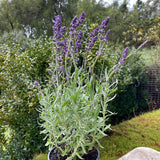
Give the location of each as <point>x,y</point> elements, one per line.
<point>74,106</point>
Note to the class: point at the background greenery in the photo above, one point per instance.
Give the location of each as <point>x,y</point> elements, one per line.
<point>25,54</point>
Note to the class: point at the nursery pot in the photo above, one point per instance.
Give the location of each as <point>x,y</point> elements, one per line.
<point>92,155</point>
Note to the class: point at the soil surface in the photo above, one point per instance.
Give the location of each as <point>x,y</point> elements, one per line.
<point>92,155</point>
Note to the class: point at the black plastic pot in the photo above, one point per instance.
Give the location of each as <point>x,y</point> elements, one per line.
<point>53,153</point>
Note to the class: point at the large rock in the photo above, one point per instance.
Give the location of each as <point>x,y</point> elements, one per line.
<point>142,153</point>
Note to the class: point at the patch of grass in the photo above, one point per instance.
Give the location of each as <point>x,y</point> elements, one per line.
<point>40,157</point>
<point>140,131</point>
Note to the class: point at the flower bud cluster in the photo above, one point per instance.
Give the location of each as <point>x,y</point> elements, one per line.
<point>76,22</point>
<point>99,33</point>
<point>58,30</point>
<point>122,59</point>
<point>123,56</point>
<point>67,48</point>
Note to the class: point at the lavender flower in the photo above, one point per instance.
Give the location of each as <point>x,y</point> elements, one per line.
<point>102,79</point>
<point>77,60</point>
<point>72,32</point>
<point>94,40</point>
<point>36,83</point>
<point>80,34</point>
<point>107,35</point>
<point>58,31</point>
<point>121,61</point>
<point>101,31</point>
<point>125,52</point>
<point>100,51</point>
<point>101,37</point>
<point>50,72</point>
<point>142,44</point>
<point>64,50</point>
<point>78,42</point>
<point>123,56</point>
<point>82,17</point>
<point>59,59</point>
<point>57,23</point>
<point>57,48</point>
<point>115,68</point>
<point>63,30</point>
<point>62,69</point>
<point>74,23</point>
<point>105,23</point>
<point>78,45</point>
<point>91,43</point>
<point>94,32</point>
<point>61,43</point>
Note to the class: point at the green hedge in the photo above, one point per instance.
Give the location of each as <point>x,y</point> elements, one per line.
<point>18,98</point>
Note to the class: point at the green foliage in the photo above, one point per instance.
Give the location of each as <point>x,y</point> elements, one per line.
<point>137,34</point>
<point>34,16</point>
<point>94,11</point>
<point>130,95</point>
<point>18,98</point>
<point>17,37</point>
<point>71,114</point>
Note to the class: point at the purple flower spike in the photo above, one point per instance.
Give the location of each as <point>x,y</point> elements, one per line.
<point>62,69</point>
<point>78,44</point>
<point>77,60</point>
<point>105,23</point>
<point>94,32</point>
<point>101,31</point>
<point>58,31</point>
<point>74,22</point>
<point>36,83</point>
<point>42,94</point>
<point>125,53</point>
<point>61,43</point>
<point>50,72</point>
<point>91,43</point>
<point>57,22</point>
<point>59,59</point>
<point>107,35</point>
<point>121,61</point>
<point>102,79</point>
<point>124,56</point>
<point>82,17</point>
<point>80,34</point>
<point>94,39</point>
<point>100,53</point>
<point>116,69</point>
<point>63,30</point>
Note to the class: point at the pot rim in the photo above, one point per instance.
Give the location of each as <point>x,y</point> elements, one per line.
<point>98,156</point>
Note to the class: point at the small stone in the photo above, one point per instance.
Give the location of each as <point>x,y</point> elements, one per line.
<point>142,153</point>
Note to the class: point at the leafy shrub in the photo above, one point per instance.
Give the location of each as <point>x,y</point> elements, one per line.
<point>18,99</point>
<point>15,37</point>
<point>136,35</point>
<point>130,95</point>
